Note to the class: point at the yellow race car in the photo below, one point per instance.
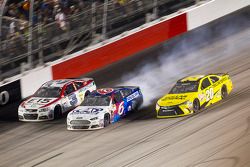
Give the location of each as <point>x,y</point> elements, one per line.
<point>190,94</point>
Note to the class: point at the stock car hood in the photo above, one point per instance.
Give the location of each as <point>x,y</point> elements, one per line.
<point>175,99</point>
<point>37,102</point>
<point>87,112</point>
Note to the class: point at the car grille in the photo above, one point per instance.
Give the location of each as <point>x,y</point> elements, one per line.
<point>30,116</point>
<point>43,117</point>
<point>80,122</point>
<point>80,127</point>
<point>31,110</point>
<point>170,111</point>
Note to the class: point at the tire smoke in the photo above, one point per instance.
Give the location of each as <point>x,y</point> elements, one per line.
<point>196,52</point>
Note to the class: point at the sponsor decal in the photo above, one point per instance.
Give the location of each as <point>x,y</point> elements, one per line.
<point>220,81</point>
<point>177,97</point>
<point>105,91</point>
<point>133,96</point>
<point>88,111</point>
<point>167,110</point>
<point>73,99</point>
<point>201,97</point>
<point>81,95</point>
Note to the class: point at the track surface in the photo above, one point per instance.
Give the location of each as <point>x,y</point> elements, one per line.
<point>218,136</point>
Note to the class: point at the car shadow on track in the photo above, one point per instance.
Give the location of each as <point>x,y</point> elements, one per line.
<point>144,113</point>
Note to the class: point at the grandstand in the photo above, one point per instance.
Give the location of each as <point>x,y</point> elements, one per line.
<point>34,32</point>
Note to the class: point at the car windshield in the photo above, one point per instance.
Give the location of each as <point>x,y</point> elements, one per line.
<point>184,87</point>
<point>48,92</point>
<point>96,101</point>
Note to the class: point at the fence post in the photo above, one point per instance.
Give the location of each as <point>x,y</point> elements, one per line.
<point>104,21</point>
<point>1,19</point>
<point>93,21</point>
<point>155,10</point>
<point>40,43</point>
<point>1,77</point>
<point>30,58</point>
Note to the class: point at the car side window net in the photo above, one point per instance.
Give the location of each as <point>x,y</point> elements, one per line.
<point>118,97</point>
<point>205,83</point>
<point>69,89</point>
<point>126,92</point>
<point>78,85</point>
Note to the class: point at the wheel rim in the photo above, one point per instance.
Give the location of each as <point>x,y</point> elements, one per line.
<point>224,92</point>
<point>196,108</point>
<point>57,113</point>
<point>106,122</point>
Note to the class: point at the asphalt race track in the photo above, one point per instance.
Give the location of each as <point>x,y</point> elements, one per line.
<point>216,137</point>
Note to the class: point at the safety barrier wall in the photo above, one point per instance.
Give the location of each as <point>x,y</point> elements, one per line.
<point>10,93</point>
<point>122,46</point>
<point>208,12</point>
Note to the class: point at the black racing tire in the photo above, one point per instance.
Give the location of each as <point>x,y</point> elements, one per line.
<point>87,93</point>
<point>57,112</point>
<point>137,106</point>
<point>196,105</point>
<point>224,92</point>
<point>106,120</point>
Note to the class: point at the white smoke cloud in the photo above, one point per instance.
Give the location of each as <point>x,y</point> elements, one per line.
<point>191,54</point>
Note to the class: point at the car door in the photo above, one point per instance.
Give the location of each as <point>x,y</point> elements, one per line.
<point>70,97</point>
<point>217,87</point>
<point>80,93</point>
<point>207,92</point>
<point>119,103</point>
<point>129,101</point>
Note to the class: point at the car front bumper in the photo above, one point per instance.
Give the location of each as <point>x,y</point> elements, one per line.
<point>172,111</point>
<point>84,125</point>
<point>34,117</point>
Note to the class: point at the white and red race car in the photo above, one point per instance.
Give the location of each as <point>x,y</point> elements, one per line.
<point>55,98</point>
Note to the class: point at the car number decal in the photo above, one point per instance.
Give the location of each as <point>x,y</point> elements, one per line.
<point>39,101</point>
<point>209,94</point>
<point>105,91</point>
<point>121,108</point>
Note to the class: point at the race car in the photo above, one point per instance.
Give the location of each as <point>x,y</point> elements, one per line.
<point>55,98</point>
<point>190,94</point>
<point>104,106</point>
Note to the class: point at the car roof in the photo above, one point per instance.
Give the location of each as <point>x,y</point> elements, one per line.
<point>57,83</point>
<point>105,91</point>
<point>191,78</point>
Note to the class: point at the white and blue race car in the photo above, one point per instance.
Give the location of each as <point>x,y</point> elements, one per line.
<point>104,106</point>
<point>55,98</point>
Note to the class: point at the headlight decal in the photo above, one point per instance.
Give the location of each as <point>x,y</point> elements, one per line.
<point>44,109</point>
<point>94,118</point>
